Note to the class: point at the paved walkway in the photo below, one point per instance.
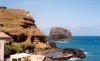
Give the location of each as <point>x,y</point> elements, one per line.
<point>37,57</point>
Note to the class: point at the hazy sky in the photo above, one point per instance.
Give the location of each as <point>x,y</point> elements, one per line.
<point>81,17</point>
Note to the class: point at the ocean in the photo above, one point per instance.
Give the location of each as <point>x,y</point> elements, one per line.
<point>89,44</point>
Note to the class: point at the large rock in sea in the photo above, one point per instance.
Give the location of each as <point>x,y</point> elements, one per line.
<point>58,33</point>
<point>20,25</point>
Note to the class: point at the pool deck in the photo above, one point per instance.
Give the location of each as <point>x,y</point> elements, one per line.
<point>37,57</point>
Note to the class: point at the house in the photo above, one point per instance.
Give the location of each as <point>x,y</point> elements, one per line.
<point>1,50</point>
<point>6,38</point>
<point>20,57</point>
<point>26,57</point>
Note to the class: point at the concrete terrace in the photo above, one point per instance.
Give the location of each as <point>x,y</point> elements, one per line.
<point>37,57</point>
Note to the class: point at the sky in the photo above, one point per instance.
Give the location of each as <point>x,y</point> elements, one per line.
<point>81,17</point>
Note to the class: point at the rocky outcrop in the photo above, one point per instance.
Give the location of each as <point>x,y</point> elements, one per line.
<point>77,53</point>
<point>60,58</point>
<point>61,34</point>
<point>52,45</point>
<point>19,25</point>
<point>65,54</point>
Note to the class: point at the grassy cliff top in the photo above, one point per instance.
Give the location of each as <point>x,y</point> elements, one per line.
<point>16,22</point>
<point>12,20</point>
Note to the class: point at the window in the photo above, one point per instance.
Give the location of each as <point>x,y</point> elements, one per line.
<point>14,59</point>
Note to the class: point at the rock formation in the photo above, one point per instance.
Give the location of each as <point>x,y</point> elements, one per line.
<point>66,54</point>
<point>77,53</point>
<point>61,34</point>
<point>19,25</point>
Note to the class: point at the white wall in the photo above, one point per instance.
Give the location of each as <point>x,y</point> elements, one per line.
<point>1,50</point>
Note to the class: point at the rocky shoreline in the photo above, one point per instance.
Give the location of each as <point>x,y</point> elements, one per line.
<point>61,34</point>
<point>66,54</point>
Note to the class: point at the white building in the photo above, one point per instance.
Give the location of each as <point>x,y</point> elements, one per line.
<point>4,37</point>
<point>26,57</point>
<point>20,57</point>
<point>1,50</point>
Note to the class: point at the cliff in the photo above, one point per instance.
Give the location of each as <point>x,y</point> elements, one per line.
<point>20,25</point>
<point>58,33</point>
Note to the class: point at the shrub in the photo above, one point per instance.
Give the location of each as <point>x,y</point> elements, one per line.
<point>12,49</point>
<point>7,50</point>
<point>26,45</point>
<point>17,48</point>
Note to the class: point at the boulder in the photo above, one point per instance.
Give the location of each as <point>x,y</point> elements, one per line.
<point>59,34</point>
<point>77,53</point>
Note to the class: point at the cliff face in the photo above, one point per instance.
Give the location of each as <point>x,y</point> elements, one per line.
<point>58,33</point>
<point>19,25</point>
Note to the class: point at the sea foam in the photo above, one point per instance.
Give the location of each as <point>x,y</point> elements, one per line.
<point>62,41</point>
<point>74,59</point>
<point>87,53</point>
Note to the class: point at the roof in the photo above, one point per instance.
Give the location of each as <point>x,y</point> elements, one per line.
<point>20,55</point>
<point>2,34</point>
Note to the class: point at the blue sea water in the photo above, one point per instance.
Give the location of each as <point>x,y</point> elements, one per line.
<point>89,44</point>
